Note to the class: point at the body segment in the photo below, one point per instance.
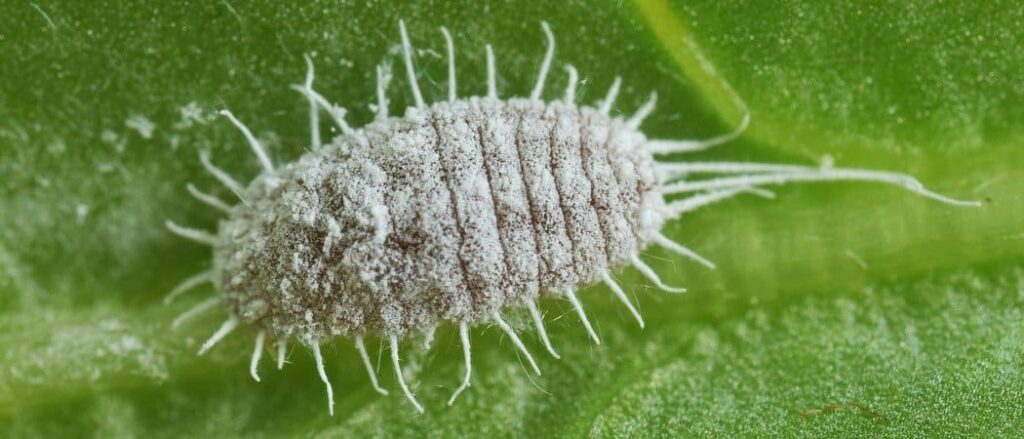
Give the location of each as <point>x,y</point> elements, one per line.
<point>447,214</point>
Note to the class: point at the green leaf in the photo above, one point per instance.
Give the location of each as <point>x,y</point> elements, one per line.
<point>837,309</point>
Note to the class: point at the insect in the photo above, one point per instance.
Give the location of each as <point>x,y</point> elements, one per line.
<point>456,212</point>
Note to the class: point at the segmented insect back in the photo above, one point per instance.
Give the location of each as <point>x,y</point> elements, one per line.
<point>456,212</point>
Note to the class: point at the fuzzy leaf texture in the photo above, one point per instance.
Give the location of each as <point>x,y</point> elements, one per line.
<point>836,309</point>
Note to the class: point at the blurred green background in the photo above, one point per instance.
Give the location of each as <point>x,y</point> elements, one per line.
<point>837,309</point>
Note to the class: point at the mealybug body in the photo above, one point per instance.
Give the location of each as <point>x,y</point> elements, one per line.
<point>455,212</point>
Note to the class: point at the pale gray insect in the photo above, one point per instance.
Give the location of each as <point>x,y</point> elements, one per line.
<point>455,212</point>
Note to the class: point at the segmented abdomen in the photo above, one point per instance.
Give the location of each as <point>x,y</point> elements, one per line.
<point>451,213</point>
<point>538,196</point>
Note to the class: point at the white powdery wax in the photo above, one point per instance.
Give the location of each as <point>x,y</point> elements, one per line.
<point>450,213</point>
<point>457,212</point>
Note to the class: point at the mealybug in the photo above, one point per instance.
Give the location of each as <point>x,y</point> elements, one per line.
<point>457,211</point>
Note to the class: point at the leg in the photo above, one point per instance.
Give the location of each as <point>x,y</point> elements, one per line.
<point>516,341</point>
<point>546,64</point>
<point>407,55</point>
<point>401,378</point>
<point>464,336</point>
<point>538,321</point>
